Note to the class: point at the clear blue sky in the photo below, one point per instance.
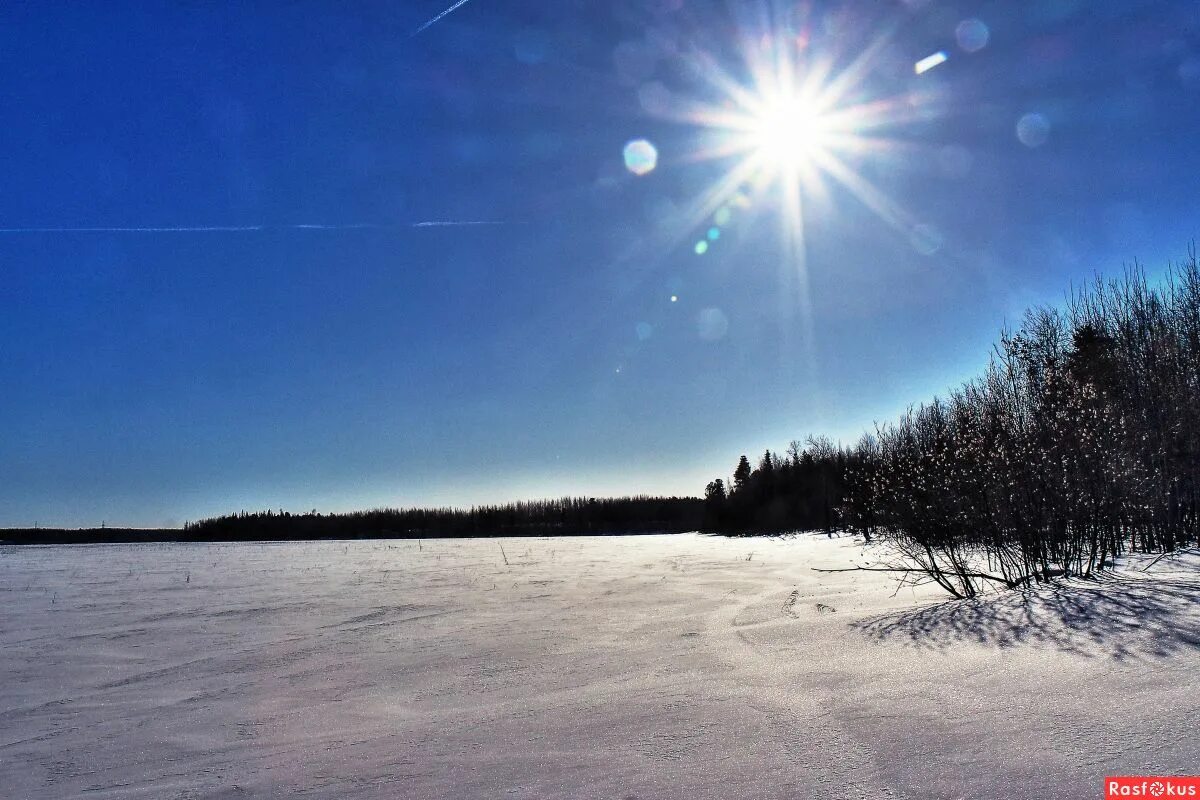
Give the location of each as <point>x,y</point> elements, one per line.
<point>152,376</point>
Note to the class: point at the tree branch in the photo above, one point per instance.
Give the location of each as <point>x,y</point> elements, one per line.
<point>872,569</point>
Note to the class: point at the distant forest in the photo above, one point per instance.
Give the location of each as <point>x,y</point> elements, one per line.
<point>569,515</point>
<point>1081,441</point>
<point>566,516</point>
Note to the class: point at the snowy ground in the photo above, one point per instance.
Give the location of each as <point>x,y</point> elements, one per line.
<point>642,667</point>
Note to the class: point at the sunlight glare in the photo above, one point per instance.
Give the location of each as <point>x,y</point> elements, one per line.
<point>788,131</point>
<point>793,116</point>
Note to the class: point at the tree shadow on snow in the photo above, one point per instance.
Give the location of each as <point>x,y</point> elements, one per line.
<point>1121,617</point>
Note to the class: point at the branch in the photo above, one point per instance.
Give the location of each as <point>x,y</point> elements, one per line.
<point>872,569</point>
<point>1155,561</point>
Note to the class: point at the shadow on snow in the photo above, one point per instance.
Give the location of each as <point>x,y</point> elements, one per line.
<point>1121,617</point>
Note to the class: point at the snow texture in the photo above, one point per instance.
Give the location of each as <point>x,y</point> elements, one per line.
<point>685,666</point>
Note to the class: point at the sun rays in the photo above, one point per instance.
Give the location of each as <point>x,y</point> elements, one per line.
<point>799,124</point>
<point>789,119</point>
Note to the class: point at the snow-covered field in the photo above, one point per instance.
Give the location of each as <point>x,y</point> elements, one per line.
<point>642,667</point>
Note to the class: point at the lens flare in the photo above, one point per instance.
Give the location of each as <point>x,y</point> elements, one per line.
<point>641,157</point>
<point>712,324</point>
<point>1033,129</point>
<point>972,35</point>
<point>929,62</point>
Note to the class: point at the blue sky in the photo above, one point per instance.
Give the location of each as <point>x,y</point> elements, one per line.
<point>154,376</point>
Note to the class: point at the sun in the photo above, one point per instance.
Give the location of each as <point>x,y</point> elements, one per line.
<point>789,118</point>
<point>788,132</point>
<point>792,122</point>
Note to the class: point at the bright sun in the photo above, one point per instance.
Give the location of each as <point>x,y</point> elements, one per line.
<point>790,120</point>
<point>788,132</point>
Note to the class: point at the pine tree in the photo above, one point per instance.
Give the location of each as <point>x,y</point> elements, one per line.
<point>741,475</point>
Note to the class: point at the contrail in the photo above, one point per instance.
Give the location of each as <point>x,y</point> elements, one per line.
<point>322,227</point>
<point>437,223</point>
<point>439,16</point>
<point>434,223</point>
<point>170,229</point>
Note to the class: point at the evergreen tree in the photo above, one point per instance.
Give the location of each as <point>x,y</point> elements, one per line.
<point>741,475</point>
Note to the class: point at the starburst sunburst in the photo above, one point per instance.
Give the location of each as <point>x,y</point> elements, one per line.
<point>790,122</point>
<point>797,122</point>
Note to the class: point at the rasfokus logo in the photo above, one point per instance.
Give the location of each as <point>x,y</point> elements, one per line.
<point>1153,786</point>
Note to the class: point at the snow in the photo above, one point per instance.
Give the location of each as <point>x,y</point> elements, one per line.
<point>644,667</point>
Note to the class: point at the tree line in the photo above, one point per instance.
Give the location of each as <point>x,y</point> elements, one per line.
<point>1079,442</point>
<point>564,516</point>
<point>802,490</point>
